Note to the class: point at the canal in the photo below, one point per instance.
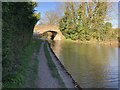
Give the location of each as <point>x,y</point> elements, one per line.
<point>91,65</point>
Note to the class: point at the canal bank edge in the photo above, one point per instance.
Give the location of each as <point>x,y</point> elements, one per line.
<point>106,43</point>
<point>76,85</point>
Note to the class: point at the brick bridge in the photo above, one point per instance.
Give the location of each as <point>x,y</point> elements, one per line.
<point>49,28</point>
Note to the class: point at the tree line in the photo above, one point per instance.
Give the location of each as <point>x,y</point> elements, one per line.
<point>87,22</point>
<point>18,23</point>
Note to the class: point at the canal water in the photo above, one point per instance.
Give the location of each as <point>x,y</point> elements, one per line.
<point>91,65</point>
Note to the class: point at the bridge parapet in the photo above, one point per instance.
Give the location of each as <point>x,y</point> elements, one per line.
<point>44,28</point>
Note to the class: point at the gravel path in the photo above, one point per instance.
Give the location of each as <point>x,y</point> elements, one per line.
<point>45,78</point>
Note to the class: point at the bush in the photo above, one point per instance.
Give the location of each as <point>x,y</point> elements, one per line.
<point>18,23</point>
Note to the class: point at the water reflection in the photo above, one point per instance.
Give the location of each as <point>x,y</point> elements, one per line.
<point>91,65</point>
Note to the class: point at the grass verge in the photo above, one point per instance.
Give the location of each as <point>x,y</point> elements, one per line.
<point>52,66</point>
<point>28,67</point>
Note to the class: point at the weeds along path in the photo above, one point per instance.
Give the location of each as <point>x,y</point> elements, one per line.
<point>45,78</point>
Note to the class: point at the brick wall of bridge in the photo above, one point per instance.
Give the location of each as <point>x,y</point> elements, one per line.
<point>43,28</point>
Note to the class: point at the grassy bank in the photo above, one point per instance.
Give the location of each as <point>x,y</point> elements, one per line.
<point>27,69</point>
<point>52,66</point>
<point>113,43</point>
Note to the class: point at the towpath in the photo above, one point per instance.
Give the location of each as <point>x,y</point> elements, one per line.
<point>45,78</point>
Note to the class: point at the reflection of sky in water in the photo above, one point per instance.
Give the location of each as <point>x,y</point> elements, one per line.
<point>91,65</point>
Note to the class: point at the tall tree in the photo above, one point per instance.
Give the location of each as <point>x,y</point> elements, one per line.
<point>85,22</point>
<point>18,21</point>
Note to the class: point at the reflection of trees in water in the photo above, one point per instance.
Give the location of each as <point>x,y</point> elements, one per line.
<point>56,46</point>
<point>87,63</point>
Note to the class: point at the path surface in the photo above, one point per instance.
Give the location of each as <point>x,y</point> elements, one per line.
<point>45,78</point>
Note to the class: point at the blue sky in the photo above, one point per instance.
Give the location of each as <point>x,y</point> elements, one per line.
<point>46,6</point>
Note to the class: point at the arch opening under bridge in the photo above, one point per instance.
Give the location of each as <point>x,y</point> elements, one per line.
<point>53,31</point>
<point>50,36</point>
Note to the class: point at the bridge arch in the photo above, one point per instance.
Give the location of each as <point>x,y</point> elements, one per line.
<point>53,35</point>
<point>40,29</point>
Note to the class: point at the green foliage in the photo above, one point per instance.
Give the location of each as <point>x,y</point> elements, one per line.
<point>87,22</point>
<point>18,22</point>
<point>19,79</point>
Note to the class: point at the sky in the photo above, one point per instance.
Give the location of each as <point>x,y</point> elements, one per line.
<point>46,6</point>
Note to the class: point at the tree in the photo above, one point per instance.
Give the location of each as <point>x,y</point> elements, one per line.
<point>64,23</point>
<point>18,22</point>
<point>51,17</point>
<point>85,22</point>
<point>68,24</point>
